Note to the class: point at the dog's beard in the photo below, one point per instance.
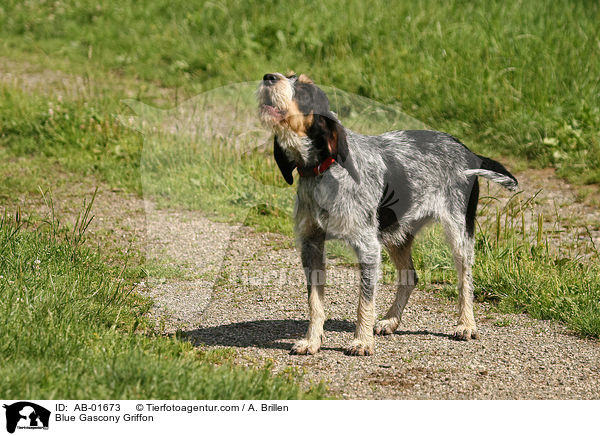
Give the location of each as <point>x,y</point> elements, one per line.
<point>270,116</point>
<point>273,103</point>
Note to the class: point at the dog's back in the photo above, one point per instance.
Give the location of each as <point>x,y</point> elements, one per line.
<point>423,175</point>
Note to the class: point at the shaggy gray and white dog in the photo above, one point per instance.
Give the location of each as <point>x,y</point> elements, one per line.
<point>371,191</point>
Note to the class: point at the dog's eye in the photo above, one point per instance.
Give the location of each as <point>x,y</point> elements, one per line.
<point>292,77</point>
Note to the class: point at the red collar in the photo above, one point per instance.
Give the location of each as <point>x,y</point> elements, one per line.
<point>317,170</point>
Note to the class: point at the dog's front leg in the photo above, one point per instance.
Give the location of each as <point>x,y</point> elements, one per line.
<point>369,257</point>
<point>313,261</point>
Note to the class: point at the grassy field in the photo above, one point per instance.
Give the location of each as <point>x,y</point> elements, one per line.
<point>512,79</point>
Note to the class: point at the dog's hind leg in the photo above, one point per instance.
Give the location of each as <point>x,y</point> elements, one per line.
<point>407,280</point>
<point>313,261</point>
<point>369,258</point>
<point>463,244</point>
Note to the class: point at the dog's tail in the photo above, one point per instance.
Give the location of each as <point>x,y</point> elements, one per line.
<point>495,171</point>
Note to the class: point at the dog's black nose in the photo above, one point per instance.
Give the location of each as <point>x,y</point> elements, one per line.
<point>269,79</point>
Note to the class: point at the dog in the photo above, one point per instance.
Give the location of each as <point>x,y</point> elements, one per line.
<point>372,191</point>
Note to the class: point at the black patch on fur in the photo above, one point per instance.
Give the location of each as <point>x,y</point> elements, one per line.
<point>472,208</point>
<point>455,139</point>
<point>312,100</point>
<point>320,132</point>
<point>395,200</point>
<point>385,211</point>
<point>424,137</point>
<point>286,166</point>
<point>497,167</point>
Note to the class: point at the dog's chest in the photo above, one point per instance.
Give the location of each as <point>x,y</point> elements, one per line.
<point>327,203</point>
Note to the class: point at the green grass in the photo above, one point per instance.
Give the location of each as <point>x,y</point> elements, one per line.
<point>71,323</point>
<point>80,135</point>
<point>523,278</point>
<point>525,272</point>
<point>512,78</point>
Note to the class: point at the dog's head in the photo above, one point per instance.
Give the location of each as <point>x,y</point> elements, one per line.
<point>306,131</point>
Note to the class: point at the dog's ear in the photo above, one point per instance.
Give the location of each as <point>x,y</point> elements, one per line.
<point>286,166</point>
<point>338,147</point>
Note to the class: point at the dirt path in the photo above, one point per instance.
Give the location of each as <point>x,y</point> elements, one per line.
<point>228,286</point>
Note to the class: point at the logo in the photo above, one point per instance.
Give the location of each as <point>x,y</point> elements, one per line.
<point>26,415</point>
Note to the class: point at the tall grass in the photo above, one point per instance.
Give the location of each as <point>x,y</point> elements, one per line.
<point>508,77</point>
<point>529,269</point>
<point>81,135</point>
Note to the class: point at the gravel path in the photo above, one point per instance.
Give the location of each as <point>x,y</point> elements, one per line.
<point>516,357</point>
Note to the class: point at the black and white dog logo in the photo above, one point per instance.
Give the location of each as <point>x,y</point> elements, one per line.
<point>26,415</point>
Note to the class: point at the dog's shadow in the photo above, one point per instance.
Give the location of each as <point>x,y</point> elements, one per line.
<point>268,334</point>
<point>261,333</point>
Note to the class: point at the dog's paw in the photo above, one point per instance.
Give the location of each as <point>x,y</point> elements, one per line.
<point>385,327</point>
<point>360,348</point>
<point>465,332</point>
<point>303,347</point>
